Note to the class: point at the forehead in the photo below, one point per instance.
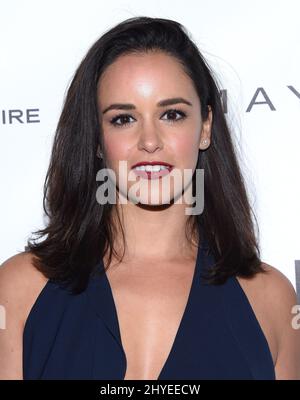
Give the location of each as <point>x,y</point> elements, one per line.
<point>145,75</point>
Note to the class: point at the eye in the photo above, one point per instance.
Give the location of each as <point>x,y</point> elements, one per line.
<point>173,112</point>
<point>122,117</point>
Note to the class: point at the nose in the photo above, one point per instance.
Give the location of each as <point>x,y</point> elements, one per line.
<point>150,138</point>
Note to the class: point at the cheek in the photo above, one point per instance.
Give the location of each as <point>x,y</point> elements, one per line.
<point>185,150</point>
<point>117,150</point>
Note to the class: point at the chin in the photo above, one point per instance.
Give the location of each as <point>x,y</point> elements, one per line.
<point>157,198</point>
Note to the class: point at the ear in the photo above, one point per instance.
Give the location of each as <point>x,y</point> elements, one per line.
<point>205,136</point>
<point>99,152</point>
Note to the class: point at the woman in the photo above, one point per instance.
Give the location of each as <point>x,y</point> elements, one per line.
<point>189,297</point>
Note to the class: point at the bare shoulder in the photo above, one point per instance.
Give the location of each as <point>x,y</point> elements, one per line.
<point>20,284</point>
<point>20,281</point>
<point>274,301</point>
<point>278,284</point>
<point>21,265</point>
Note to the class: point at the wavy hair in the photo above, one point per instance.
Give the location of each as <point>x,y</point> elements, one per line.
<point>79,230</point>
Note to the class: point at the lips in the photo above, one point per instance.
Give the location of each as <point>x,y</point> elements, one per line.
<point>152,174</point>
<point>152,163</point>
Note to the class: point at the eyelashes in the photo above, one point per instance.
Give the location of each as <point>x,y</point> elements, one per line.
<point>172,111</point>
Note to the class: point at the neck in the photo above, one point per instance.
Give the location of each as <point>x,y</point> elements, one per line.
<point>154,232</point>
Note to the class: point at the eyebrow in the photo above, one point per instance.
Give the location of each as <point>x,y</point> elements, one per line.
<point>162,103</point>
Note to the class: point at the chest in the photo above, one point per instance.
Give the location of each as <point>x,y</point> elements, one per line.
<point>150,304</point>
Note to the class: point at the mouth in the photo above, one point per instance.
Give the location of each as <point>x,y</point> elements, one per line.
<point>152,170</point>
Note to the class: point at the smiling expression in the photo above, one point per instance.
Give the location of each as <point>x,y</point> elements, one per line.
<point>149,111</point>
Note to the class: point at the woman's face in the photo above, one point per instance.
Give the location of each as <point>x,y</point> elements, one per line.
<point>144,130</point>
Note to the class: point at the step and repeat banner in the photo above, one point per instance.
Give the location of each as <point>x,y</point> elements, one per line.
<point>253,49</point>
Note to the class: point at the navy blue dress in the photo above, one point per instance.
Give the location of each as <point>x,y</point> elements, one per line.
<point>78,337</point>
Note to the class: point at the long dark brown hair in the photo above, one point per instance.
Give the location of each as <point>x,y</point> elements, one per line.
<point>79,230</point>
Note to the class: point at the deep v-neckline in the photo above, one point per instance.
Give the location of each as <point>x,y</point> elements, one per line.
<point>182,320</point>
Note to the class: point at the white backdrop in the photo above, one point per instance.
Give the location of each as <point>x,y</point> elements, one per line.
<point>254,49</point>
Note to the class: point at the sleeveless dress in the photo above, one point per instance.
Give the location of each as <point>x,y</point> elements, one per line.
<point>70,336</point>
